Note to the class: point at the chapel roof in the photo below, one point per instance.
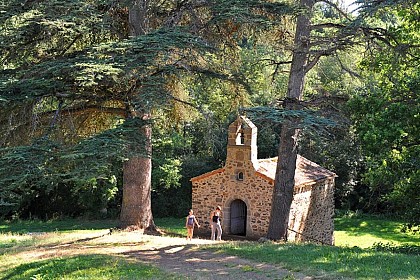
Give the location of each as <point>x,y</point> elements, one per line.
<point>306,171</point>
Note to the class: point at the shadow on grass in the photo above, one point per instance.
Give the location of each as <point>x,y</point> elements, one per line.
<point>93,266</point>
<point>23,246</point>
<point>37,226</point>
<point>191,263</point>
<point>335,261</point>
<point>174,226</point>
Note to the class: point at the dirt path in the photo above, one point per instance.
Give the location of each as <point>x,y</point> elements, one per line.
<point>176,255</point>
<point>171,254</point>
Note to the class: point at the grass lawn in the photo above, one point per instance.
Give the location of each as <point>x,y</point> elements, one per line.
<point>329,262</point>
<point>364,231</point>
<point>91,266</point>
<point>352,257</point>
<point>20,257</point>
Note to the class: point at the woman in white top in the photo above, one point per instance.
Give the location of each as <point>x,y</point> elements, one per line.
<point>215,224</point>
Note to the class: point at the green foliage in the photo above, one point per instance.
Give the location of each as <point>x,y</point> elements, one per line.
<point>254,12</point>
<point>386,115</point>
<point>26,173</point>
<point>47,178</point>
<point>309,119</point>
<point>70,67</point>
<point>403,249</point>
<point>176,160</point>
<point>168,198</point>
<point>340,152</point>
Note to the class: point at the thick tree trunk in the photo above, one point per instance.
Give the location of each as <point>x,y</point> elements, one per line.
<point>136,209</point>
<point>138,20</point>
<point>284,183</point>
<point>286,165</point>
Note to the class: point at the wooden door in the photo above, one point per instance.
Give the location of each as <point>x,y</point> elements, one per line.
<point>238,217</point>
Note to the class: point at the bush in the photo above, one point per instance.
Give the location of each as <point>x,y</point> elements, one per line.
<point>399,249</point>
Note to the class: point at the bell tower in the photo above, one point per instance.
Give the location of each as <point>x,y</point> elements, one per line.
<point>242,144</point>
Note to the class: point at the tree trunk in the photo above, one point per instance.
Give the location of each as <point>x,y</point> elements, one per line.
<point>286,164</point>
<point>136,209</point>
<point>284,183</point>
<point>138,20</point>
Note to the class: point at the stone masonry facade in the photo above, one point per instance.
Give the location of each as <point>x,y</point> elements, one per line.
<point>248,182</point>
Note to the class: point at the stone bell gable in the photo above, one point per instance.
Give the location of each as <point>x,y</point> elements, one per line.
<point>244,188</point>
<point>241,153</point>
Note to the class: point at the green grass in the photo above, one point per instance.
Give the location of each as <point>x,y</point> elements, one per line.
<point>85,267</point>
<point>364,231</point>
<point>19,237</point>
<point>172,226</point>
<point>37,226</point>
<point>352,257</point>
<point>335,262</point>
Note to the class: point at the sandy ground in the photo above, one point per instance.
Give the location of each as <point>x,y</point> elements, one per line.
<point>172,254</point>
<point>183,257</point>
<point>186,258</point>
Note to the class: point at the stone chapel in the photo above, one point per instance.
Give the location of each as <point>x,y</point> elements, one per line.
<point>244,187</point>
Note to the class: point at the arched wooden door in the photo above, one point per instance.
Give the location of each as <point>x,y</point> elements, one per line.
<point>238,217</point>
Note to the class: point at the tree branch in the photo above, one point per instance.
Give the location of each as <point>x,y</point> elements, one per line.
<point>313,62</point>
<point>352,73</point>
<point>327,25</point>
<point>341,12</point>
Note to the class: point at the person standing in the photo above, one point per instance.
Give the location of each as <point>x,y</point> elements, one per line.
<point>215,224</point>
<point>189,224</point>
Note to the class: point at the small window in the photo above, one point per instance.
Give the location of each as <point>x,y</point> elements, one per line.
<point>240,176</point>
<point>242,138</point>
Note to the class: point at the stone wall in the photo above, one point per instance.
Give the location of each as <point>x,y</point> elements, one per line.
<point>311,216</point>
<point>221,190</point>
<point>311,212</point>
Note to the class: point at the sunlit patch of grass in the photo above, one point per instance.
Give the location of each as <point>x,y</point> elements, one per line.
<point>9,239</point>
<point>44,251</point>
<point>248,268</point>
<point>172,226</point>
<point>18,249</point>
<point>365,231</point>
<point>354,255</point>
<point>12,242</point>
<point>345,239</point>
<point>86,267</point>
<point>56,255</point>
<point>335,262</point>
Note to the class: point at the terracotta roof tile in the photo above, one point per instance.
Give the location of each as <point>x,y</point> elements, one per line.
<point>208,174</point>
<point>306,170</point>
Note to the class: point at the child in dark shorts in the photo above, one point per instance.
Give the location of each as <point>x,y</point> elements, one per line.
<point>189,224</point>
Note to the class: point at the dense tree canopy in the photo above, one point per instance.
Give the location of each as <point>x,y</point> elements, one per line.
<point>386,115</point>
